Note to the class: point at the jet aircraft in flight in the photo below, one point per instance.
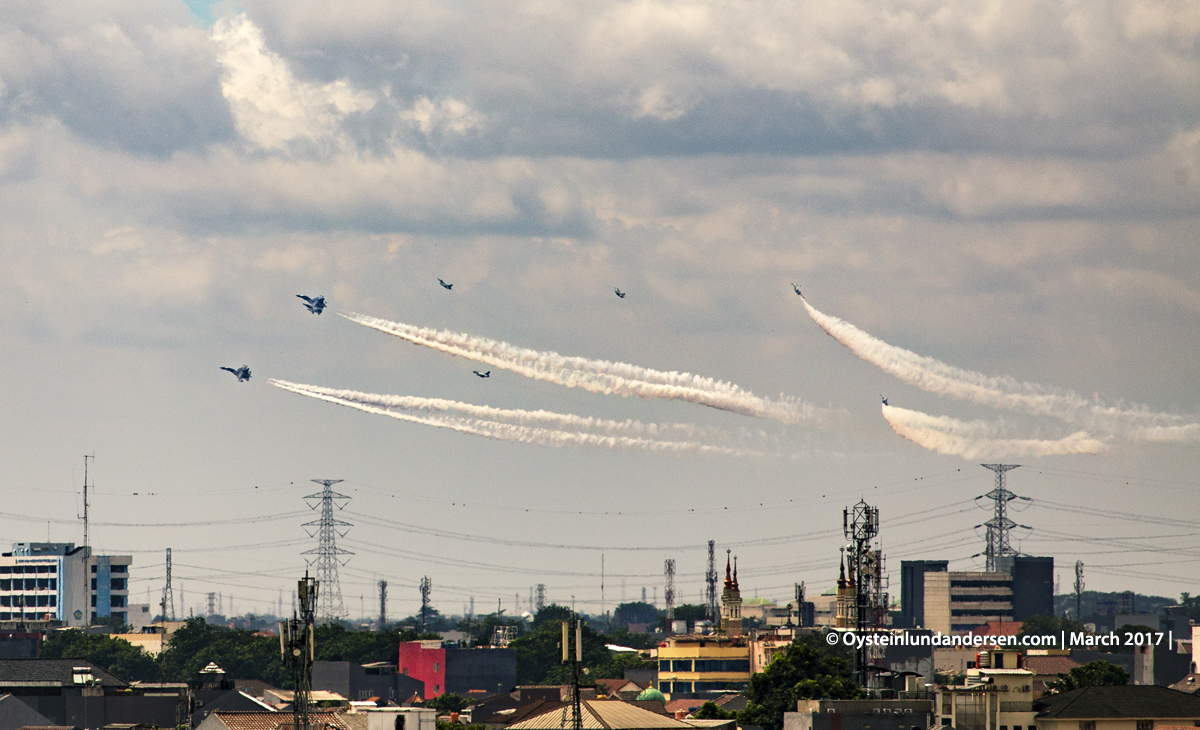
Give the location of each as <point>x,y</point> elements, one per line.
<point>242,373</point>
<point>448,286</point>
<point>313,304</point>
<point>797,288</point>
<point>488,374</point>
<point>620,293</point>
<point>883,399</point>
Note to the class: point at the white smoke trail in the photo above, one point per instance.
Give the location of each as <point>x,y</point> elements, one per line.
<point>976,439</point>
<point>598,376</point>
<point>935,376</point>
<point>504,431</point>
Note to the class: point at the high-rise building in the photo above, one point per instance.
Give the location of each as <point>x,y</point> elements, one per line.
<point>956,602</point>
<point>59,581</point>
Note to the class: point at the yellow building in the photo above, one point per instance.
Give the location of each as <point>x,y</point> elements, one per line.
<point>688,664</point>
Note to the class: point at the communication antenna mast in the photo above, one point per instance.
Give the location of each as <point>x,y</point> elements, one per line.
<point>711,609</point>
<point>999,526</point>
<point>602,611</point>
<point>212,604</point>
<point>168,597</point>
<point>860,525</point>
<point>426,587</point>
<point>1078,590</point>
<point>298,650</point>
<point>327,552</point>
<point>573,629</point>
<point>382,603</point>
<point>669,590</point>
<point>541,596</point>
<point>86,545</point>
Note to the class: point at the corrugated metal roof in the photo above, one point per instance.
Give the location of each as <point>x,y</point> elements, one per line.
<point>601,715</point>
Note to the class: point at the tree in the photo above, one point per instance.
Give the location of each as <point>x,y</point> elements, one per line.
<point>1092,674</point>
<point>807,665</point>
<point>539,652</point>
<point>638,612</point>
<point>552,614</point>
<point>116,656</point>
<point>447,703</point>
<point>622,636</point>
<point>690,612</point>
<point>711,711</point>
<point>1049,626</point>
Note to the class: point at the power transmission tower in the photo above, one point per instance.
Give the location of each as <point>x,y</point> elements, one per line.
<point>168,598</point>
<point>382,604</point>
<point>711,609</point>
<point>426,587</point>
<point>998,527</point>
<point>212,603</point>
<point>541,596</point>
<point>860,525</point>
<point>669,591</point>
<point>1078,591</point>
<point>296,642</point>
<point>327,552</point>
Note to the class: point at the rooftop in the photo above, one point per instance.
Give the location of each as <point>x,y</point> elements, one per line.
<point>56,671</point>
<point>1133,701</point>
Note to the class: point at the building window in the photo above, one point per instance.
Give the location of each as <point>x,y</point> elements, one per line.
<point>664,665</point>
<point>93,584</point>
<point>437,666</point>
<point>1087,725</point>
<point>437,689</point>
<point>119,568</point>
<point>681,665</point>
<point>117,584</point>
<point>1145,725</point>
<point>117,601</point>
<point>94,605</point>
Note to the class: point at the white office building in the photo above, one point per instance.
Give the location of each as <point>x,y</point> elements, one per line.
<point>58,581</point>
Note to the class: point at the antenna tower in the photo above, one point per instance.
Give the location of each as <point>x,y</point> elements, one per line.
<point>860,525</point>
<point>426,587</point>
<point>602,611</point>
<point>1078,590</point>
<point>86,504</point>
<point>669,591</point>
<point>711,609</point>
<point>327,531</point>
<point>382,603</point>
<point>573,628</point>
<point>541,596</point>
<point>998,527</point>
<point>212,603</point>
<point>168,597</point>
<point>298,650</point>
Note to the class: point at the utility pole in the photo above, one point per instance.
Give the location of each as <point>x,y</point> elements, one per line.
<point>168,597</point>
<point>999,526</point>
<point>711,609</point>
<point>383,604</point>
<point>298,650</point>
<point>327,552</point>
<point>860,525</point>
<point>574,627</point>
<point>426,587</point>
<point>1078,590</point>
<point>669,591</point>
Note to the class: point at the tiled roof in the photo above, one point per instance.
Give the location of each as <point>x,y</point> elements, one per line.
<point>1132,701</point>
<point>53,670</point>
<point>277,720</point>
<point>1189,684</point>
<point>1050,664</point>
<point>686,705</point>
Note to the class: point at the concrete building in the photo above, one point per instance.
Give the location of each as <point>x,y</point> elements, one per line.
<point>62,582</point>
<point>692,664</point>
<point>860,715</point>
<point>444,667</point>
<point>1130,707</point>
<point>364,681</point>
<point>956,602</point>
<point>998,693</point>
<point>76,692</point>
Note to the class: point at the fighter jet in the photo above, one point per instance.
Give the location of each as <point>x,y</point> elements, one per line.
<point>488,374</point>
<point>242,373</point>
<point>797,288</point>
<point>883,399</point>
<point>620,293</point>
<point>448,286</point>
<point>313,304</point>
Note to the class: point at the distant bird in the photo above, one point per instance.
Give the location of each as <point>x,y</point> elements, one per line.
<point>797,288</point>
<point>448,286</point>
<point>313,304</point>
<point>883,399</point>
<point>488,374</point>
<point>242,373</point>
<point>620,293</point>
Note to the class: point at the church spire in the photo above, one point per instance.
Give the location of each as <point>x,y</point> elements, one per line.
<point>735,583</point>
<point>728,577</point>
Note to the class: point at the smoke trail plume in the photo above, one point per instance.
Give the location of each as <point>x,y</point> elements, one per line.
<point>935,376</point>
<point>437,408</point>
<point>977,439</point>
<point>598,376</point>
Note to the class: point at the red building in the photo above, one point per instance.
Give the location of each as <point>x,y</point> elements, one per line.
<point>426,661</point>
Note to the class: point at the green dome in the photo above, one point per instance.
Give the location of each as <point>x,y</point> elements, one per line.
<point>651,694</point>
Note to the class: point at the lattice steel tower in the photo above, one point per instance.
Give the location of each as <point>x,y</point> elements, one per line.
<point>712,611</point>
<point>168,598</point>
<point>669,592</point>
<point>382,604</point>
<point>328,555</point>
<point>860,525</point>
<point>426,588</point>
<point>998,527</point>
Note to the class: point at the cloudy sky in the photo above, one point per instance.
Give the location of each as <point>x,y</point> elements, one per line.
<point>1010,188</point>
